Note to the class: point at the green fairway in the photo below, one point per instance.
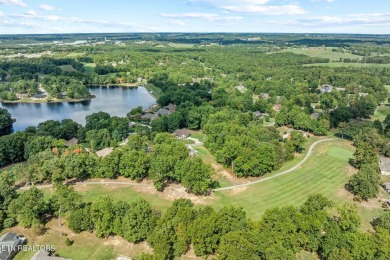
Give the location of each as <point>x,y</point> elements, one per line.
<point>324,172</point>
<point>67,68</point>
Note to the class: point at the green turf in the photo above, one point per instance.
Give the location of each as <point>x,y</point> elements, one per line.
<point>323,52</point>
<point>127,194</point>
<point>341,64</point>
<point>184,141</point>
<point>90,67</point>
<point>200,136</point>
<point>67,68</point>
<point>156,91</point>
<point>324,172</point>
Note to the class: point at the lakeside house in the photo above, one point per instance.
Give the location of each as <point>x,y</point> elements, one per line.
<point>10,245</point>
<point>163,112</point>
<point>182,133</point>
<point>149,116</point>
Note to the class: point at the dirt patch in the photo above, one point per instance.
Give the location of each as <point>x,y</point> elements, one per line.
<point>174,191</point>
<point>238,190</point>
<point>225,174</point>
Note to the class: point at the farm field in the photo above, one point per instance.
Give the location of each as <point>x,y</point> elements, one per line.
<point>322,52</point>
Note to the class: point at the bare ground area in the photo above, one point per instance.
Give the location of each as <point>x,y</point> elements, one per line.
<point>174,191</point>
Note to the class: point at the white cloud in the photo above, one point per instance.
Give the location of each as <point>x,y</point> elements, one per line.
<point>211,17</point>
<point>47,7</point>
<point>349,20</point>
<point>31,12</point>
<point>13,2</point>
<point>175,22</point>
<point>267,10</point>
<point>329,1</point>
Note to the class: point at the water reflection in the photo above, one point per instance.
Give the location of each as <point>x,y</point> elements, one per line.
<point>113,100</point>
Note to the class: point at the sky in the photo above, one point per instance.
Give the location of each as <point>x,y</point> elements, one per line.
<point>263,16</point>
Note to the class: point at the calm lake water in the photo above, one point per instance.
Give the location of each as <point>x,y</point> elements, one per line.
<point>114,100</point>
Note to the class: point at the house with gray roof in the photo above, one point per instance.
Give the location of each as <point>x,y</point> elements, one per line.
<point>44,255</point>
<point>71,142</point>
<point>10,245</point>
<point>182,133</point>
<point>163,112</point>
<point>149,116</point>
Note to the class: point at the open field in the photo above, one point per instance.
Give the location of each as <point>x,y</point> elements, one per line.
<point>155,91</point>
<point>356,65</point>
<point>322,52</point>
<point>67,68</point>
<point>90,67</point>
<point>180,45</point>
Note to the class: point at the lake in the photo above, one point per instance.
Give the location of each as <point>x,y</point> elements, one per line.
<point>116,101</point>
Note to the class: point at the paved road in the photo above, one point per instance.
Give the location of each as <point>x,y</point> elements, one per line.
<point>279,174</point>
<point>220,189</point>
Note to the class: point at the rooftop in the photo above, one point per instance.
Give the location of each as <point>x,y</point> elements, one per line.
<point>384,165</point>
<point>104,152</point>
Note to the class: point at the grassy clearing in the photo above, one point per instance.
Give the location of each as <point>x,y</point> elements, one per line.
<point>75,54</point>
<point>322,52</point>
<point>68,68</point>
<point>200,136</point>
<point>325,172</point>
<point>184,141</point>
<point>90,67</point>
<point>356,65</point>
<point>180,45</point>
<point>381,113</point>
<point>127,194</point>
<point>155,91</point>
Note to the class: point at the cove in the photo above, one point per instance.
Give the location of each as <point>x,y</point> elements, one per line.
<point>116,101</point>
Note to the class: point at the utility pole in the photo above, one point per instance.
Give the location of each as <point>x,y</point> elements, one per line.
<point>59,216</point>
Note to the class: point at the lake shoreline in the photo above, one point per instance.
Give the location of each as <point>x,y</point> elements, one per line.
<point>47,102</point>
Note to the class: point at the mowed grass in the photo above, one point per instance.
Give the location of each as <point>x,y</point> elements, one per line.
<point>200,136</point>
<point>325,172</point>
<point>342,64</point>
<point>90,67</point>
<point>127,194</point>
<point>323,52</point>
<point>156,91</point>
<point>68,68</point>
